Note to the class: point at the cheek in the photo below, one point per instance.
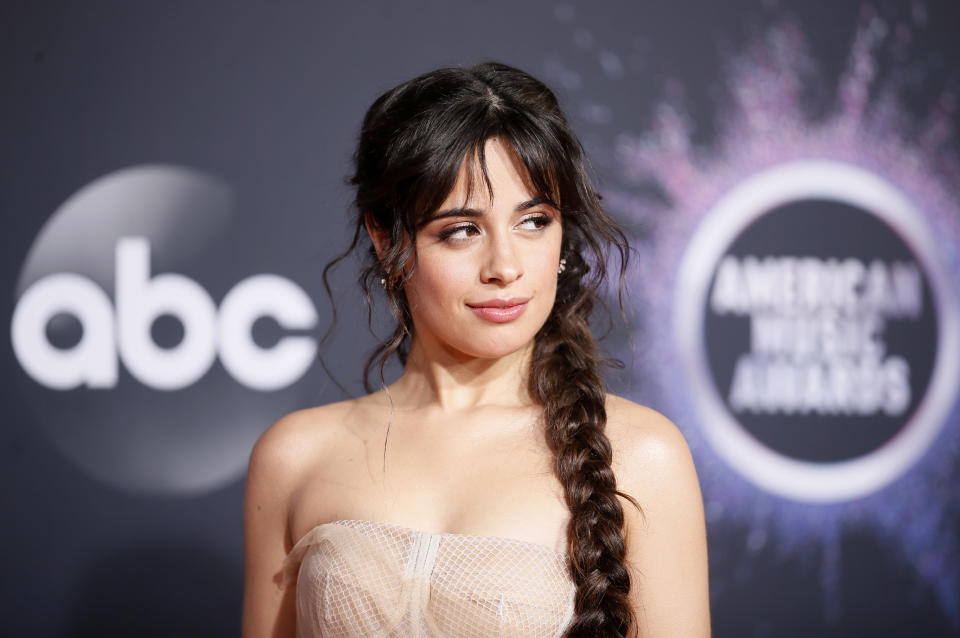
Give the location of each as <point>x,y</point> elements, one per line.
<point>545,261</point>
<point>441,281</point>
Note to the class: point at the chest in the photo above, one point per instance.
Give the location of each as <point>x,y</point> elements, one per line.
<point>492,478</point>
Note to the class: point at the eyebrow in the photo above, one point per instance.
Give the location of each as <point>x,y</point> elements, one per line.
<point>473,212</point>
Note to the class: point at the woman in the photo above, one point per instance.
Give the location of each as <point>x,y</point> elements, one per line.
<point>494,489</point>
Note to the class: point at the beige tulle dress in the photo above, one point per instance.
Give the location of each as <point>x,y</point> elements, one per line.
<point>362,578</point>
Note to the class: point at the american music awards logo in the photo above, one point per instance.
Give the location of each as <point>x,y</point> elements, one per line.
<point>814,325</point>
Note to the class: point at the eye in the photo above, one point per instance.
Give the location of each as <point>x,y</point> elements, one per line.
<point>536,222</point>
<point>459,232</point>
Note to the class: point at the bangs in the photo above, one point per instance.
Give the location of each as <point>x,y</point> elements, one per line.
<point>539,158</point>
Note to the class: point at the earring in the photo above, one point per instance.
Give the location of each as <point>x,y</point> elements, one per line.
<point>563,266</point>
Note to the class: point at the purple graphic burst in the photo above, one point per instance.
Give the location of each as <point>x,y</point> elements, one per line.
<point>766,124</point>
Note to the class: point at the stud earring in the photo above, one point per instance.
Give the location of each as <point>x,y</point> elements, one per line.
<point>563,266</point>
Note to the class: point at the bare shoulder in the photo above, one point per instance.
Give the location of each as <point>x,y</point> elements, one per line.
<point>295,444</point>
<point>291,440</point>
<point>666,538</point>
<point>640,433</point>
<point>280,462</point>
<point>652,460</point>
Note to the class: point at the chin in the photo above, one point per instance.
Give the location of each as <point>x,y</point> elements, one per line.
<point>498,353</point>
<point>498,346</point>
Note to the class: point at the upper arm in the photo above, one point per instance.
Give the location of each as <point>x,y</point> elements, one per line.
<point>666,541</point>
<point>268,608</point>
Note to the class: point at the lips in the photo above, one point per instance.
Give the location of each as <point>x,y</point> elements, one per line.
<point>500,310</point>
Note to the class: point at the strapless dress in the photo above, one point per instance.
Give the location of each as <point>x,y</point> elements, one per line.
<point>368,579</point>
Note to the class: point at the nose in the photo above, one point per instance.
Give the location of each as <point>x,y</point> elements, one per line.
<point>501,263</point>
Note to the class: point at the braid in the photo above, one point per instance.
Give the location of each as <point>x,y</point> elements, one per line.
<point>565,379</point>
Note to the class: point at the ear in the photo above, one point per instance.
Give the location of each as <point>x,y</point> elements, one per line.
<point>379,236</point>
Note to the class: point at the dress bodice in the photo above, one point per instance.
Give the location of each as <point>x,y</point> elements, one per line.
<point>363,578</point>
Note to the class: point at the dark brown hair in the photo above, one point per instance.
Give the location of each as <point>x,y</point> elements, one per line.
<point>412,143</point>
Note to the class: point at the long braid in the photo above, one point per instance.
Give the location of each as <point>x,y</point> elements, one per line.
<point>565,379</point>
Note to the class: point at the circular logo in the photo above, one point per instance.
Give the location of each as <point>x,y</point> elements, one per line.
<point>819,331</point>
<point>134,371</point>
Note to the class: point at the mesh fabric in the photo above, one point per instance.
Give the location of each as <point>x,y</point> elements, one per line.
<point>364,578</point>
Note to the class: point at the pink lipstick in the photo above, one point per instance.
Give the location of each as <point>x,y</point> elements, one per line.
<point>500,310</point>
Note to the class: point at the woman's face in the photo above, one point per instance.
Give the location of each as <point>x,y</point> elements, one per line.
<point>486,274</point>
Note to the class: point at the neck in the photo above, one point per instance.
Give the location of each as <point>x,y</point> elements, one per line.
<point>438,377</point>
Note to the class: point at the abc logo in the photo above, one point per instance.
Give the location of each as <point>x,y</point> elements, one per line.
<point>149,361</point>
<point>140,299</point>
